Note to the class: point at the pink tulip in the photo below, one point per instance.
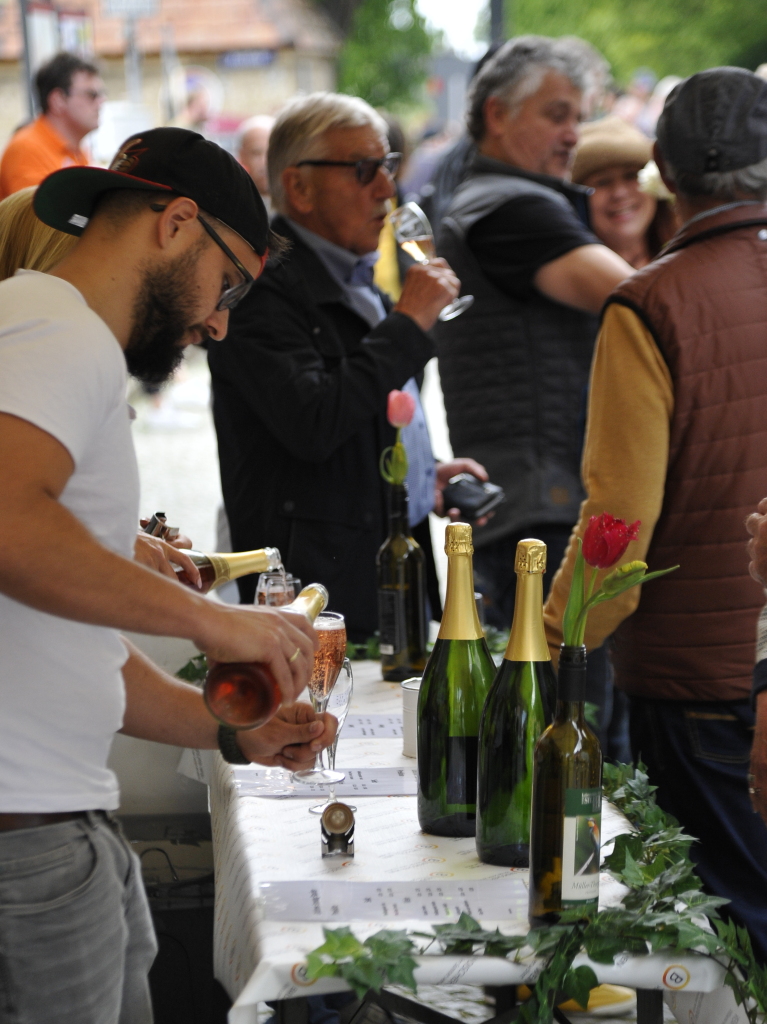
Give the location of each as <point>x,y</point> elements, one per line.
<point>400,408</point>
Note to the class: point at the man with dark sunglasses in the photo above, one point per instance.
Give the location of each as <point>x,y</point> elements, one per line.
<point>146,278</point>
<point>300,387</point>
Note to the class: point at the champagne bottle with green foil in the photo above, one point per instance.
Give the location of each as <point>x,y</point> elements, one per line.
<point>567,803</point>
<point>401,595</point>
<point>516,712</point>
<point>456,682</point>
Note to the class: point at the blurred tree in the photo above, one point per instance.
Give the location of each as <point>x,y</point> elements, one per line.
<point>676,38</point>
<point>341,12</point>
<point>385,58</point>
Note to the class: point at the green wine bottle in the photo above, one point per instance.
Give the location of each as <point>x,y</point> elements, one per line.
<point>567,803</point>
<point>401,595</point>
<point>516,712</point>
<point>456,682</point>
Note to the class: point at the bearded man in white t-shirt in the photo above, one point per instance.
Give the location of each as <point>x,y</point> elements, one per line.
<point>173,235</point>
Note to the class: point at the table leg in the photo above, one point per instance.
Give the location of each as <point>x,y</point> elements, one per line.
<point>292,1011</point>
<point>649,1006</point>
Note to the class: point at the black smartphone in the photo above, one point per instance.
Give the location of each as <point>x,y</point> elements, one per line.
<point>471,497</point>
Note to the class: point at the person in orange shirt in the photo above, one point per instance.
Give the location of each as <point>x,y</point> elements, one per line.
<point>71,93</point>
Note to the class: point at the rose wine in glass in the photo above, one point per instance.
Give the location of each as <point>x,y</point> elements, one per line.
<point>415,236</point>
<point>328,662</point>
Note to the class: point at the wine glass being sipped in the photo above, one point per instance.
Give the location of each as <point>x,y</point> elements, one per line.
<point>414,234</point>
<point>338,705</point>
<point>328,661</point>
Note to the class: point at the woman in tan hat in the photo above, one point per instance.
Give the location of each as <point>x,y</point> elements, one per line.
<point>632,222</point>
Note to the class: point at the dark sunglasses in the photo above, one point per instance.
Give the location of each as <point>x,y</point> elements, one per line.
<point>229,296</point>
<point>365,170</point>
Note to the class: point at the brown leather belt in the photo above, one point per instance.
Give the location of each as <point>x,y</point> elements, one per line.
<point>11,822</point>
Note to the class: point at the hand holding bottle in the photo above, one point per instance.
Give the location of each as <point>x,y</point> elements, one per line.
<point>161,555</point>
<point>281,640</point>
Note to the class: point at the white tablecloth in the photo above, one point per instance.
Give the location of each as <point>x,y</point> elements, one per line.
<point>260,839</point>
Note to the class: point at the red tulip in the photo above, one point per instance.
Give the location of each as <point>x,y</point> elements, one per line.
<point>606,539</point>
<point>400,408</point>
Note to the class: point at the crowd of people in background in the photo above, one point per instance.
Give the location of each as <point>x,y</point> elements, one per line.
<point>612,360</point>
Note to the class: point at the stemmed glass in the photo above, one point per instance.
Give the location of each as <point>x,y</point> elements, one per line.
<point>277,589</point>
<point>328,661</point>
<point>415,235</point>
<point>338,705</point>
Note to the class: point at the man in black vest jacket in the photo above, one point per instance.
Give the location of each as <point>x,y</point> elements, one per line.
<point>514,367</point>
<point>300,387</point>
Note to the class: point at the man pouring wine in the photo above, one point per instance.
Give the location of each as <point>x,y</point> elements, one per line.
<point>173,236</point>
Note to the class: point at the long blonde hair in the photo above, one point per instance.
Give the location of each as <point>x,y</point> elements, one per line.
<point>24,240</point>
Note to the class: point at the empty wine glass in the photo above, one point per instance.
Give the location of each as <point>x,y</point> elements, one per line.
<point>338,705</point>
<point>415,235</point>
<point>328,661</point>
<point>277,589</point>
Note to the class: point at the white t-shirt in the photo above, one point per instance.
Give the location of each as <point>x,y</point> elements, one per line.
<point>62,696</point>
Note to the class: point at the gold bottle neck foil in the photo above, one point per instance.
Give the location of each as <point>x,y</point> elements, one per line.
<point>232,565</point>
<point>527,641</point>
<point>459,619</point>
<point>310,602</point>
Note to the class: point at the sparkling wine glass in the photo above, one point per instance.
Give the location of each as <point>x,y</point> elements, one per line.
<point>277,589</point>
<point>338,705</point>
<point>328,661</point>
<point>415,235</point>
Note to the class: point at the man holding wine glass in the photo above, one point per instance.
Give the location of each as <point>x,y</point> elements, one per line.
<point>173,235</point>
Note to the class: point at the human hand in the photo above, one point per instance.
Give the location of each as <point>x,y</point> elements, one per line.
<point>428,288</point>
<point>445,472</point>
<point>756,524</point>
<point>758,777</point>
<point>181,541</point>
<point>290,739</point>
<point>161,556</point>
<point>284,641</point>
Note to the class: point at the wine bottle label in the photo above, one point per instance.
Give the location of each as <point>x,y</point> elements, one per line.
<point>391,621</point>
<point>461,781</point>
<point>580,846</point>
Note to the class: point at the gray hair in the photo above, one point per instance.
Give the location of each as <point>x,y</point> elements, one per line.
<point>747,182</point>
<point>264,121</point>
<point>518,68</point>
<point>300,129</point>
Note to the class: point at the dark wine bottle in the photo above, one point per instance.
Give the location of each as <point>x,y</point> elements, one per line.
<point>217,569</point>
<point>567,803</point>
<point>517,710</point>
<point>456,681</point>
<point>245,694</point>
<point>401,595</point>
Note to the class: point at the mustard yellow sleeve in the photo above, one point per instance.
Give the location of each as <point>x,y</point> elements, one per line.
<point>625,459</point>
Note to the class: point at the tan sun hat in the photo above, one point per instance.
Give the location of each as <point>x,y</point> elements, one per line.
<point>606,143</point>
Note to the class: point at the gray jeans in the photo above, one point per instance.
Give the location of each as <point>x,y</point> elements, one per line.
<point>76,937</point>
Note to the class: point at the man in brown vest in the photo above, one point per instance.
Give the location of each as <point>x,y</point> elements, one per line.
<point>677,437</point>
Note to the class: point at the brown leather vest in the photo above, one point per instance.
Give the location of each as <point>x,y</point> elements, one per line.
<point>705,303</point>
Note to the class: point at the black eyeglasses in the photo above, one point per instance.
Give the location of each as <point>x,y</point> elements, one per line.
<point>365,170</point>
<point>229,296</point>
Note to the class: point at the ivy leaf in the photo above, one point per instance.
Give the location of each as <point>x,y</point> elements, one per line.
<point>577,984</point>
<point>626,843</point>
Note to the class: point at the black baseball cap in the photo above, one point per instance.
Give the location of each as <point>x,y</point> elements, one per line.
<point>715,120</point>
<point>160,160</point>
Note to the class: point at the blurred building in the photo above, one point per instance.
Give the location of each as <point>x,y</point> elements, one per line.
<point>202,61</point>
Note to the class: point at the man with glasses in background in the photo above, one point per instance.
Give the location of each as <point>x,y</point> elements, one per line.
<point>70,93</point>
<point>300,388</point>
<point>174,234</point>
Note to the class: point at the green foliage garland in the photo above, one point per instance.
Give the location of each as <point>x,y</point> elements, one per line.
<point>665,909</point>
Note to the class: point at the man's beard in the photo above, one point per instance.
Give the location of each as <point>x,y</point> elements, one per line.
<point>162,314</point>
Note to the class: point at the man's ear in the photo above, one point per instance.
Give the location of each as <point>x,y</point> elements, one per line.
<point>177,220</point>
<point>298,188</point>
<point>661,163</point>
<point>494,114</point>
<point>56,100</point>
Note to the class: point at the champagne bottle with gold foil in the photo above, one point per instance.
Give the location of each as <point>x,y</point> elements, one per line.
<point>456,681</point>
<point>567,803</point>
<point>217,569</point>
<point>245,695</point>
<point>517,710</point>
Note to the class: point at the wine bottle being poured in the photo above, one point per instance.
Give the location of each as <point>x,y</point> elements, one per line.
<point>516,712</point>
<point>245,695</point>
<point>219,568</point>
